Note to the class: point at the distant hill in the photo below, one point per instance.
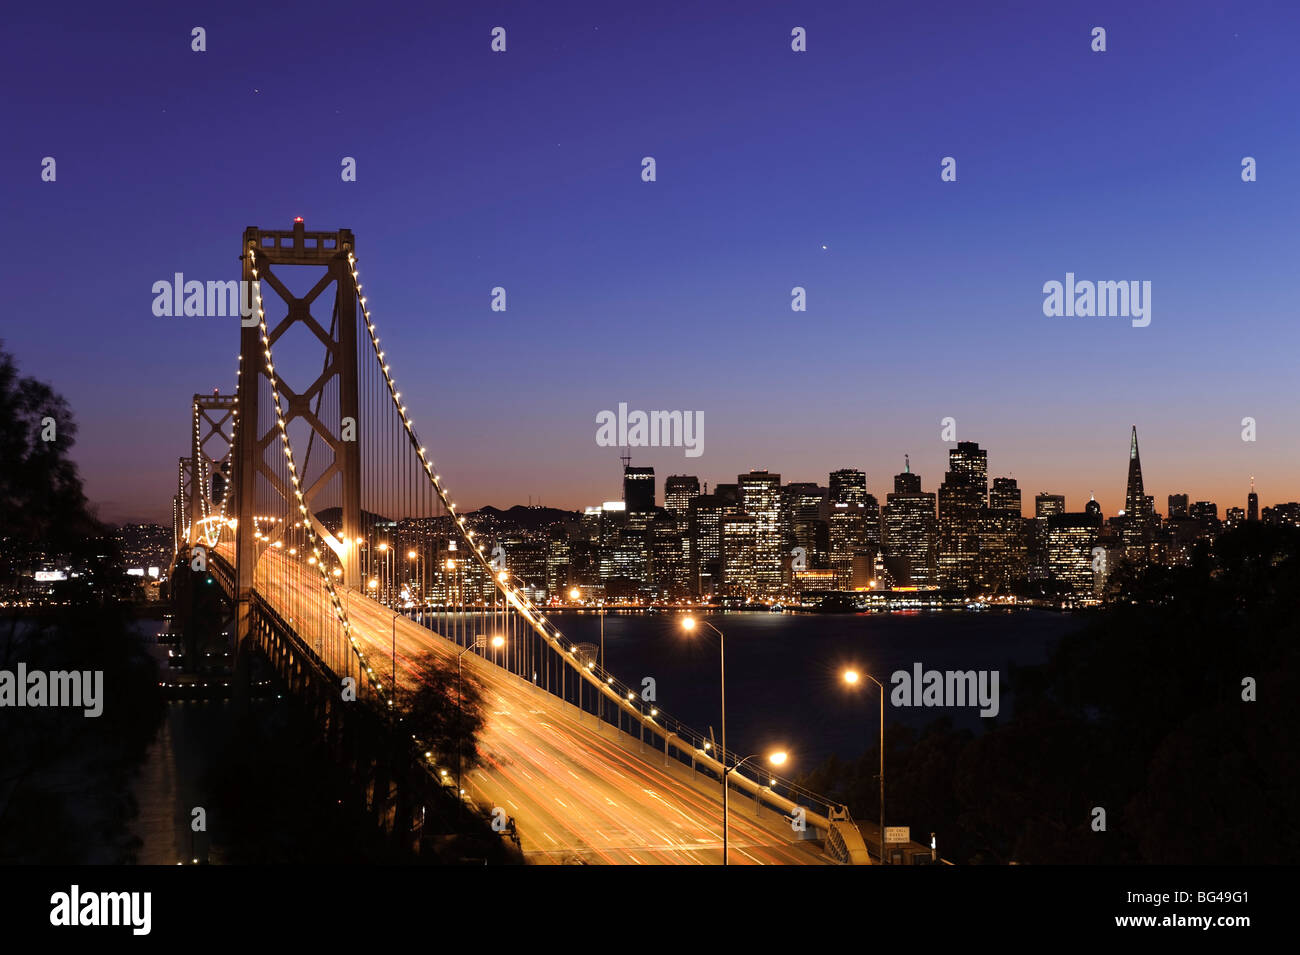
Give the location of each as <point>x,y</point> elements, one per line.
<point>525,518</point>
<point>528,518</point>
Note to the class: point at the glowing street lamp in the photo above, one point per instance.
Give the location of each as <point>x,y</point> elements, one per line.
<point>775,758</point>
<point>689,624</point>
<point>853,677</point>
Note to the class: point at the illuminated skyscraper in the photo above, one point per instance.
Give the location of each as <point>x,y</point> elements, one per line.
<point>970,463</point>
<point>1135,495</point>
<point>760,497</point>
<point>848,486</point>
<point>961,497</point>
<point>740,546</point>
<point>854,523</point>
<point>679,489</point>
<point>804,521</point>
<point>910,532</point>
<point>1070,542</point>
<point>705,541</point>
<point>1004,495</point>
<point>1003,538</point>
<point>1046,506</point>
<point>1252,502</point>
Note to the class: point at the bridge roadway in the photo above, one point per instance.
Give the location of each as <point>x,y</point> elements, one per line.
<point>577,793</point>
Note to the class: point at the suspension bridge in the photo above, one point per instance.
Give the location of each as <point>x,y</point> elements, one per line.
<point>309,499</point>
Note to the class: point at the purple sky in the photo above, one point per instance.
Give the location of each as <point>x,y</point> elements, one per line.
<point>775,169</point>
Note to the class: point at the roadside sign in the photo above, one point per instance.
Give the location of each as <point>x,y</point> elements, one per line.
<point>898,834</point>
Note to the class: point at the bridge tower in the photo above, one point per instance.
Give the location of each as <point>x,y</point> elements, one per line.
<point>211,414</point>
<point>275,250</point>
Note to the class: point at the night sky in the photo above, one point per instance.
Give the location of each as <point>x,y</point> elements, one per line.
<point>775,169</point>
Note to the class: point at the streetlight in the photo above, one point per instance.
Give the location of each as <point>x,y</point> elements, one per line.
<point>852,678</point>
<point>688,624</point>
<point>776,758</point>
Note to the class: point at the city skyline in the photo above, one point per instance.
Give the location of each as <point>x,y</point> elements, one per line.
<point>571,502</point>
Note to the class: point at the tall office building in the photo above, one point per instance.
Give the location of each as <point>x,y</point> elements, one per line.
<point>961,497</point>
<point>669,557</point>
<point>760,497</point>
<point>848,486</point>
<point>1177,506</point>
<point>679,490</point>
<point>1004,495</point>
<point>910,527</point>
<point>1003,541</point>
<point>1070,542</point>
<point>639,489</point>
<point>970,463</point>
<point>804,519</point>
<point>853,518</point>
<point>1252,502</point>
<point>704,534</point>
<point>907,482</point>
<point>1137,506</point>
<point>1092,507</point>
<point>740,555</point>
<point>1045,506</point>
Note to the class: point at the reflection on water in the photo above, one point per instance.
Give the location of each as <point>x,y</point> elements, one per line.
<point>170,784</point>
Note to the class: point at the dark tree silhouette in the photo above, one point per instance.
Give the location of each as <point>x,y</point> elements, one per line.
<point>1143,713</point>
<point>41,499</point>
<point>433,715</point>
<point>64,778</point>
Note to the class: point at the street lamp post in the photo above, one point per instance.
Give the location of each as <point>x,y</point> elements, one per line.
<point>689,624</point>
<point>852,677</point>
<point>777,758</point>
